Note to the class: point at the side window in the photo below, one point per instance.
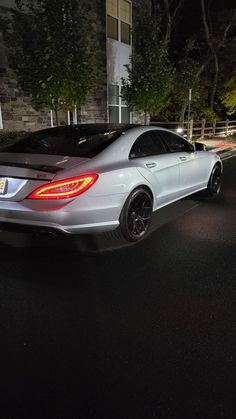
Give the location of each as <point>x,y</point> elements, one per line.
<point>147,144</point>
<point>175,143</point>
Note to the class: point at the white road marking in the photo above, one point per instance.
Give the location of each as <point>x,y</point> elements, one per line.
<point>229,157</point>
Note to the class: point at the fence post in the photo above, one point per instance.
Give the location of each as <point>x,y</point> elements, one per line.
<point>68,117</point>
<point>1,123</point>
<point>51,117</point>
<point>214,127</point>
<point>203,128</point>
<point>191,129</point>
<point>227,127</point>
<point>75,116</point>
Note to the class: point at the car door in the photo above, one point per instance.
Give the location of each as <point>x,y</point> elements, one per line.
<point>157,165</point>
<point>193,165</point>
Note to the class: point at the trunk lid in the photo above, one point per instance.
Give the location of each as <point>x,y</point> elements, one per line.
<point>20,174</point>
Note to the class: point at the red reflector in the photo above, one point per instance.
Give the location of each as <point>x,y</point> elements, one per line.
<point>66,188</point>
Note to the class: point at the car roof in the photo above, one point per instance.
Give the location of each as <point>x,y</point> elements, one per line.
<point>92,126</point>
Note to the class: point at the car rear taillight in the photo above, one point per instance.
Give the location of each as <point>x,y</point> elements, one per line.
<point>65,188</point>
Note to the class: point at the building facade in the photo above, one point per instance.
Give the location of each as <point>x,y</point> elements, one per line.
<point>114,28</point>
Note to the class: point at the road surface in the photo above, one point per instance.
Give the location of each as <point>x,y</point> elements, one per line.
<point>143,331</point>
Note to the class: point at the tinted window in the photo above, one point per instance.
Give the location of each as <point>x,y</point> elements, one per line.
<point>78,141</point>
<point>175,143</point>
<point>147,144</point>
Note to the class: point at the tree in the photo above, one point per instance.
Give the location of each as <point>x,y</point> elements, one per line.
<point>186,77</point>
<point>51,50</point>
<point>229,96</point>
<point>150,73</point>
<point>213,52</point>
<point>217,41</point>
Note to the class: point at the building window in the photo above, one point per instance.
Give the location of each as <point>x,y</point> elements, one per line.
<point>112,27</point>
<point>125,115</point>
<point>125,33</point>
<point>125,11</point>
<point>119,18</point>
<point>114,114</point>
<point>112,7</point>
<point>118,111</point>
<point>113,94</point>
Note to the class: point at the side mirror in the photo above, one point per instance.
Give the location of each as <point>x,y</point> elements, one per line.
<point>199,146</point>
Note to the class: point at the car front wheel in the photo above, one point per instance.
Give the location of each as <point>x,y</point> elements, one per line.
<point>136,215</point>
<point>214,184</point>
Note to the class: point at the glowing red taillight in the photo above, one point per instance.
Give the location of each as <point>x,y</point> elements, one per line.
<point>66,188</point>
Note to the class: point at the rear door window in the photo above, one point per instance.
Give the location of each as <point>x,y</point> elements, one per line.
<point>148,144</point>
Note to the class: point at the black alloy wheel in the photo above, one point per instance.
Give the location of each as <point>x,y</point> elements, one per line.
<point>214,183</point>
<point>136,215</point>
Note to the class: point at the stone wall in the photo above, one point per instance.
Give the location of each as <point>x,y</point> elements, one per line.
<point>17,111</point>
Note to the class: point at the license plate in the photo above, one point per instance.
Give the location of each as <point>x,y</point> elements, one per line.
<point>3,186</point>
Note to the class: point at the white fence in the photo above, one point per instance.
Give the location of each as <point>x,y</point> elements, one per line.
<point>200,129</point>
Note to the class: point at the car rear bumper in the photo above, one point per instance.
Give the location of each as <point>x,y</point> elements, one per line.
<point>71,218</point>
<point>54,229</point>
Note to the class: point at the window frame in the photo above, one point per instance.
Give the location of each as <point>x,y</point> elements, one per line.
<point>117,27</point>
<point>189,145</point>
<point>120,105</point>
<point>111,14</point>
<point>151,132</point>
<point>119,23</point>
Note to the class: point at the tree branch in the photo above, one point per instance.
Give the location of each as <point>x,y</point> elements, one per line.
<point>170,17</point>
<point>229,26</point>
<point>179,5</point>
<point>169,21</point>
<point>203,66</point>
<point>214,54</point>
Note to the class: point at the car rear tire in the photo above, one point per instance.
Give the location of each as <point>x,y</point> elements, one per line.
<point>136,215</point>
<point>214,184</point>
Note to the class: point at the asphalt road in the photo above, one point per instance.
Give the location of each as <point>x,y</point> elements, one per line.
<point>144,331</point>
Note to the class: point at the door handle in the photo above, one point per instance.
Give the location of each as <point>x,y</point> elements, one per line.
<point>183,158</point>
<point>150,165</point>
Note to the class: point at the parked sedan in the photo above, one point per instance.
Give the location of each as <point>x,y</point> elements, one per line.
<point>98,177</point>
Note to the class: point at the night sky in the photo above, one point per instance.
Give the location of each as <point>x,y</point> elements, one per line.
<point>190,17</point>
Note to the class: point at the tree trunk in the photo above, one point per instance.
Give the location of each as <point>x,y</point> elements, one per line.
<point>214,55</point>
<point>215,82</point>
<point>169,21</point>
<point>79,114</point>
<point>56,113</point>
<point>182,113</point>
<point>145,117</point>
<point>170,17</point>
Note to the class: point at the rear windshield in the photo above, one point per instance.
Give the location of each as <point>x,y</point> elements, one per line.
<point>76,141</point>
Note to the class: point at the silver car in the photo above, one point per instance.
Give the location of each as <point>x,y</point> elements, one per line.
<point>98,177</point>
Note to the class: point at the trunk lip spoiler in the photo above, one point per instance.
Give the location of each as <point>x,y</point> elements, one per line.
<point>38,167</point>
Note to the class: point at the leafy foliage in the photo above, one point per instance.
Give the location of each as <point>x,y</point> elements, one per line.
<point>229,96</point>
<point>9,137</point>
<point>186,77</point>
<point>52,51</point>
<point>150,73</point>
